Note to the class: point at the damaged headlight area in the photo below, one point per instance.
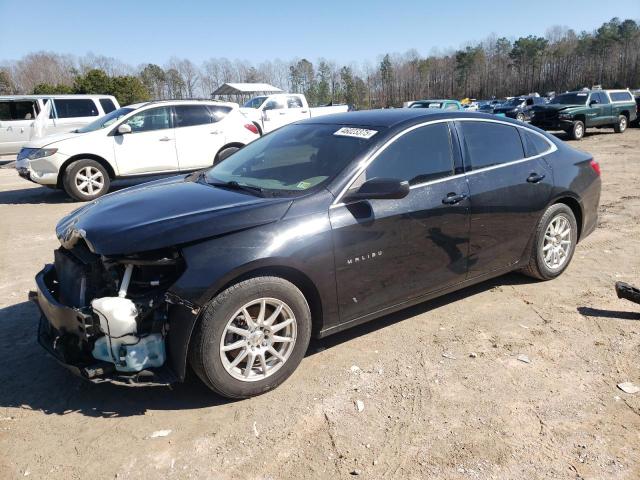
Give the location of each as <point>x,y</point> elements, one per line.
<point>104,315</point>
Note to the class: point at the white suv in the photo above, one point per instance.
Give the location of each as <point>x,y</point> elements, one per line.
<point>154,138</point>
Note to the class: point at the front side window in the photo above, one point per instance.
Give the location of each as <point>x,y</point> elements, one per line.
<point>75,107</point>
<point>487,144</point>
<point>192,115</point>
<point>275,104</point>
<point>422,155</point>
<point>19,110</point>
<point>150,120</point>
<point>107,105</point>
<point>290,160</point>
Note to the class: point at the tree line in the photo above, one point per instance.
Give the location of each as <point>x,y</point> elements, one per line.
<point>497,67</point>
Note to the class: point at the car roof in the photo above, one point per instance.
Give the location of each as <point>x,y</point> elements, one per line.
<point>397,117</point>
<point>183,102</point>
<point>61,96</point>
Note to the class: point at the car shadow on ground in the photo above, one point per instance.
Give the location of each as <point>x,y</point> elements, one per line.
<point>32,380</point>
<point>596,312</point>
<point>593,133</point>
<point>39,195</point>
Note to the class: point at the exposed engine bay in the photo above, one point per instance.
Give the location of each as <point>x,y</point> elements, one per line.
<point>107,314</point>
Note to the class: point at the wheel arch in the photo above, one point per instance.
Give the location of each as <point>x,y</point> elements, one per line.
<point>225,146</point>
<point>84,156</point>
<point>576,207</point>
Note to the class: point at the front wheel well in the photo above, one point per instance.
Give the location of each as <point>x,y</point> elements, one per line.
<point>299,279</point>
<point>85,156</point>
<point>575,207</point>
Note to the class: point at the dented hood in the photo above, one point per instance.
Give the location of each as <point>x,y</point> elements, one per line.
<point>165,213</point>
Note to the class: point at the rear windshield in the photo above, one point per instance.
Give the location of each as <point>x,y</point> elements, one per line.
<point>106,120</point>
<point>293,159</point>
<point>426,105</point>
<point>570,99</point>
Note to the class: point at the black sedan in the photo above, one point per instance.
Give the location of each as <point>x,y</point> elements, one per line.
<point>316,227</point>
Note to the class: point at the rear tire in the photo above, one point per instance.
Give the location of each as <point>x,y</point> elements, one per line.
<point>222,154</point>
<point>577,130</point>
<point>622,124</point>
<point>86,180</point>
<point>550,256</point>
<point>223,322</point>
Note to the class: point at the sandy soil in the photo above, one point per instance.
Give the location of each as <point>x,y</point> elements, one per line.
<point>443,392</point>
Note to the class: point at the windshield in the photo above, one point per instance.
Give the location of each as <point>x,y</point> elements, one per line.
<point>570,99</point>
<point>255,102</point>
<point>514,102</point>
<point>105,121</point>
<point>292,159</point>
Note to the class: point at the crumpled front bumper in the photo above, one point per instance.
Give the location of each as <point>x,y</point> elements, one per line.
<point>65,333</point>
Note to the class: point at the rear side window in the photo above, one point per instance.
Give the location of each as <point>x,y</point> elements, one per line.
<point>533,144</point>
<point>620,96</point>
<point>107,105</point>
<point>294,102</point>
<point>192,115</point>
<point>487,144</point>
<point>21,110</point>
<point>218,112</point>
<point>422,155</point>
<point>75,107</point>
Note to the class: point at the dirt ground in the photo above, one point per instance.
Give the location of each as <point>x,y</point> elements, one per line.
<point>444,394</point>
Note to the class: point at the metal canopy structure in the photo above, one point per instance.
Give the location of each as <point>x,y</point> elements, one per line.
<point>242,89</point>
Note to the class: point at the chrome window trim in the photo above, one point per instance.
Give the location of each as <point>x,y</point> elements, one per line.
<point>552,148</point>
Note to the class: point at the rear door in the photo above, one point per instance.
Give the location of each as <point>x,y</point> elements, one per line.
<point>389,251</point>
<point>200,134</point>
<point>509,190</point>
<point>151,145</point>
<point>16,119</point>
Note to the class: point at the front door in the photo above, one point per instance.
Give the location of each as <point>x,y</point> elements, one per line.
<point>274,114</point>
<point>508,193</point>
<point>151,145</point>
<point>390,251</point>
<point>198,138</point>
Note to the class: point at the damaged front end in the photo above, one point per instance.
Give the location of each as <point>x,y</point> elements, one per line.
<point>106,318</point>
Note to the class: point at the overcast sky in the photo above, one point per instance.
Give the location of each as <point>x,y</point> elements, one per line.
<point>137,31</point>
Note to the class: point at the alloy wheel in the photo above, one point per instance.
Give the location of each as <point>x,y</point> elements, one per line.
<point>258,339</point>
<point>557,242</point>
<point>89,180</point>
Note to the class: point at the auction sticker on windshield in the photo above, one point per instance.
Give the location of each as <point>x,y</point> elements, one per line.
<point>355,132</point>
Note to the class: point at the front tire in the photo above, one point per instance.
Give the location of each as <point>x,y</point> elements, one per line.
<point>622,124</point>
<point>577,130</point>
<point>553,244</point>
<point>251,337</point>
<point>86,180</point>
<point>520,117</point>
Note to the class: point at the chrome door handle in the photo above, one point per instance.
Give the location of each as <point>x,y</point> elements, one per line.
<point>282,113</point>
<point>453,198</point>
<point>215,132</point>
<point>165,139</point>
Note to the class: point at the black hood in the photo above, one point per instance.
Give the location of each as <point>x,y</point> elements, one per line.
<point>165,213</point>
<point>554,107</point>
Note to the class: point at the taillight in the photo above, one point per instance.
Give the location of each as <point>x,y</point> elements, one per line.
<point>252,128</point>
<point>596,167</point>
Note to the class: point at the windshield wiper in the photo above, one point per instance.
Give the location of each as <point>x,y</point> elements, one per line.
<point>233,185</point>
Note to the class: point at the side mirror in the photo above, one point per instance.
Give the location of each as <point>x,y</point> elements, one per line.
<point>380,188</point>
<point>124,129</point>
<point>593,102</point>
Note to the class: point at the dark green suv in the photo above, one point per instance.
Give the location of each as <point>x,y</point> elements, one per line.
<point>574,112</point>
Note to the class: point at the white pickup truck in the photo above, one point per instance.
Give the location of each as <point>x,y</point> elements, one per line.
<point>274,111</point>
